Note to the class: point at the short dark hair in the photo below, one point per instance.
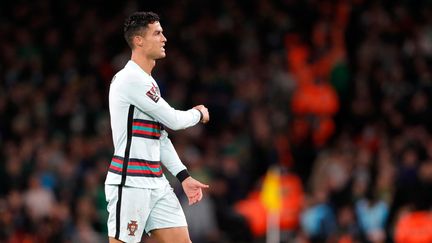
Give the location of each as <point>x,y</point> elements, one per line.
<point>137,22</point>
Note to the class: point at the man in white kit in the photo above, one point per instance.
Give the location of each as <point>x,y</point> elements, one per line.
<point>140,199</point>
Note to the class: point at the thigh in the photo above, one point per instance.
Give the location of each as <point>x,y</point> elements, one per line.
<point>128,212</point>
<point>168,235</point>
<point>166,212</point>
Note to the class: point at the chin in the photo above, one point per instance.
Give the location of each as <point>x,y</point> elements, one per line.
<point>162,55</point>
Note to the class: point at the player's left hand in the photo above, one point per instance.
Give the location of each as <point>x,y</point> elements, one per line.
<point>193,189</point>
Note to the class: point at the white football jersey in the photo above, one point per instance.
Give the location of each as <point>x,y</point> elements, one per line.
<point>138,116</point>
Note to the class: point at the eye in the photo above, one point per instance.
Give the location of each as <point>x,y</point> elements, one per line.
<point>158,32</point>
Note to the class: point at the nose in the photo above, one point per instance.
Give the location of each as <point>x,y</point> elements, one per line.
<point>164,39</point>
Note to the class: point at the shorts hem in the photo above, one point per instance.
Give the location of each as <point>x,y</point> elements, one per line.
<point>148,231</point>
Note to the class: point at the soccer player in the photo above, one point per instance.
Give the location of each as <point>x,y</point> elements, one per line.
<point>140,199</point>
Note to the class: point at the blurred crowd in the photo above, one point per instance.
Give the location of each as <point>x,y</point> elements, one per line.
<point>337,93</point>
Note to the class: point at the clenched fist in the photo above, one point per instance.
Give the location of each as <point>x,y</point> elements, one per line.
<point>204,112</point>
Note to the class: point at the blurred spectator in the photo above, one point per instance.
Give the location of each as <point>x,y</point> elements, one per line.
<point>318,219</point>
<point>348,229</point>
<point>372,215</point>
<point>38,201</point>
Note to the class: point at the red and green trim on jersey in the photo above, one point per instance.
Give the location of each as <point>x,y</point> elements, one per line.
<point>136,167</point>
<point>146,129</point>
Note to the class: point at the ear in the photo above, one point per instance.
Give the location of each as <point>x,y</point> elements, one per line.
<point>138,41</point>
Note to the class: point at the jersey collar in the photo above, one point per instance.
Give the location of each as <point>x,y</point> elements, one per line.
<point>135,66</point>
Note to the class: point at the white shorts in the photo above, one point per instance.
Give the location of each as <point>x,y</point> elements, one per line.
<point>141,210</point>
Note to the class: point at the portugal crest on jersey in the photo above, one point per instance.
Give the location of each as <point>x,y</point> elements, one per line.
<point>132,227</point>
<point>154,93</point>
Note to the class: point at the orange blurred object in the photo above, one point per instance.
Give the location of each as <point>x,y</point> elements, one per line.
<point>414,227</point>
<point>255,212</point>
<point>317,99</point>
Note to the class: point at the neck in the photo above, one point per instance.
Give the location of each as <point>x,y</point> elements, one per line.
<point>146,64</point>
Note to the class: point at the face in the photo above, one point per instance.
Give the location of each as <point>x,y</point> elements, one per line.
<point>151,43</point>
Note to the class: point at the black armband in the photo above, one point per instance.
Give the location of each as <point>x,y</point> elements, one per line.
<point>182,175</point>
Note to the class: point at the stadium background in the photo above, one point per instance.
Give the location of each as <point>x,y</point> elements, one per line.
<point>336,93</point>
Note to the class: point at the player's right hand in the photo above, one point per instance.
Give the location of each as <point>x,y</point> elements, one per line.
<point>204,111</point>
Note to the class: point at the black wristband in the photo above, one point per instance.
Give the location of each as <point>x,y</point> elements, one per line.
<point>182,175</point>
<point>201,115</point>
